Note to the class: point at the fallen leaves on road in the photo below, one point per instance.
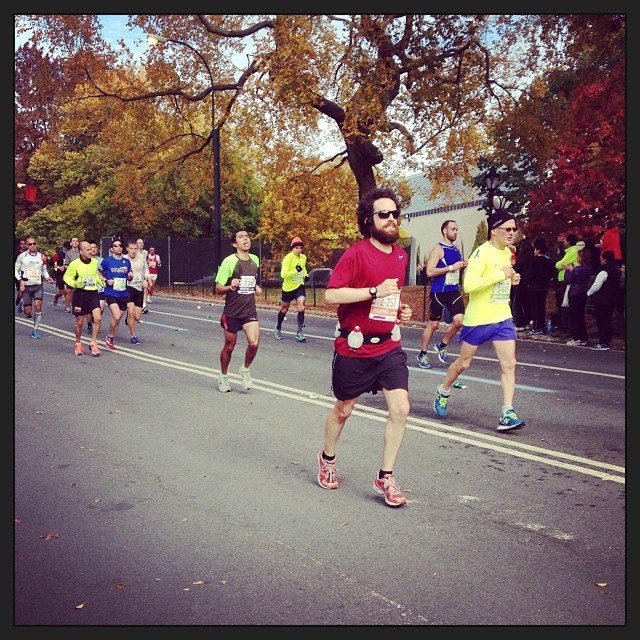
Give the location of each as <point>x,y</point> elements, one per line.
<point>49,536</point>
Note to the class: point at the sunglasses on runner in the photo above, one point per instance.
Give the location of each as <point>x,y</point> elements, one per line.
<point>384,214</point>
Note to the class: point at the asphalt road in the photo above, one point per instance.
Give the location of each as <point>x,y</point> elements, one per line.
<point>143,496</point>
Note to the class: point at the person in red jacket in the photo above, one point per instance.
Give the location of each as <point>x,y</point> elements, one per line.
<point>611,241</point>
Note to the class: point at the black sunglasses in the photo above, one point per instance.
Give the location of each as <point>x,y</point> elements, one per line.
<point>384,214</point>
<point>116,245</point>
<point>31,243</point>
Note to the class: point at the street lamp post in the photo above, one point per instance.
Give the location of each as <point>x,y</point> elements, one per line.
<point>152,40</point>
<point>491,180</point>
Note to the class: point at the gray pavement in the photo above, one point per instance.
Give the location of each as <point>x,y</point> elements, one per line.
<point>143,496</point>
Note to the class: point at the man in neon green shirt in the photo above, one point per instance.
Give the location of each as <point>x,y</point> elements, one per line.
<point>488,280</point>
<point>294,274</point>
<point>81,275</point>
<point>568,261</point>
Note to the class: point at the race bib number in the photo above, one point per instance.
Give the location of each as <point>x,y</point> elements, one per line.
<point>89,281</point>
<point>452,277</point>
<point>501,291</point>
<point>136,282</point>
<point>297,277</point>
<point>247,285</point>
<point>119,284</point>
<point>32,274</point>
<point>385,309</point>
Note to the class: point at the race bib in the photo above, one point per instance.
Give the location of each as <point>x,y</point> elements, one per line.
<point>119,284</point>
<point>247,285</point>
<point>385,309</point>
<point>452,277</point>
<point>501,291</point>
<point>33,274</point>
<point>89,281</point>
<point>297,277</point>
<point>136,282</point>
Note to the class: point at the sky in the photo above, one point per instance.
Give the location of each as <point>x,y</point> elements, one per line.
<point>114,28</point>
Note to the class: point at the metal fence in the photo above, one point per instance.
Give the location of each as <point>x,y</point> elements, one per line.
<point>187,264</point>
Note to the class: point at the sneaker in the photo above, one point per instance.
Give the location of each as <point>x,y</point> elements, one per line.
<point>55,301</point>
<point>534,332</point>
<point>510,421</point>
<point>95,352</point>
<point>223,383</point>
<point>423,361</point>
<point>388,487</point>
<point>109,342</point>
<point>600,347</point>
<point>20,307</point>
<point>443,354</point>
<point>522,328</point>
<point>440,403</point>
<point>149,300</point>
<point>78,349</point>
<point>28,315</point>
<point>89,328</point>
<point>247,382</point>
<point>35,334</point>
<point>572,343</point>
<point>135,340</point>
<point>327,477</point>
<point>277,334</point>
<point>300,337</point>
<point>67,309</point>
<point>581,343</point>
<point>145,310</point>
<point>443,325</point>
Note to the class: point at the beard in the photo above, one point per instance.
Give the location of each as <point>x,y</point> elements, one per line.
<point>385,235</point>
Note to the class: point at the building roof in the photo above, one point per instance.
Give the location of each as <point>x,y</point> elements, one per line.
<point>459,195</point>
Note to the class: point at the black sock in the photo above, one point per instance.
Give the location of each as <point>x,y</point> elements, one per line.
<point>423,353</point>
<point>442,345</point>
<point>280,320</point>
<point>382,474</point>
<point>300,320</point>
<point>328,458</point>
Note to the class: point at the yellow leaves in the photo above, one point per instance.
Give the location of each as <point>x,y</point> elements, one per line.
<point>80,606</point>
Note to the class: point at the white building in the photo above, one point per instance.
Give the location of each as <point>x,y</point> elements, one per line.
<point>425,214</point>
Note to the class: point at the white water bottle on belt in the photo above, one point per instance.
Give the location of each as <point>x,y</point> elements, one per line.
<point>355,338</point>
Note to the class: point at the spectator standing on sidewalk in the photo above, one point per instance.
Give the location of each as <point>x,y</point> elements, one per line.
<point>368,357</point>
<point>568,259</point>
<point>611,241</point>
<point>538,277</point>
<point>577,279</point>
<point>521,305</point>
<point>605,292</point>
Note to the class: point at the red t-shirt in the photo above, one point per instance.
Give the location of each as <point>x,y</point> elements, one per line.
<point>363,265</point>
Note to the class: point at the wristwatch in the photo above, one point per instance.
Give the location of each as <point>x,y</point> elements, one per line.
<point>373,292</point>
